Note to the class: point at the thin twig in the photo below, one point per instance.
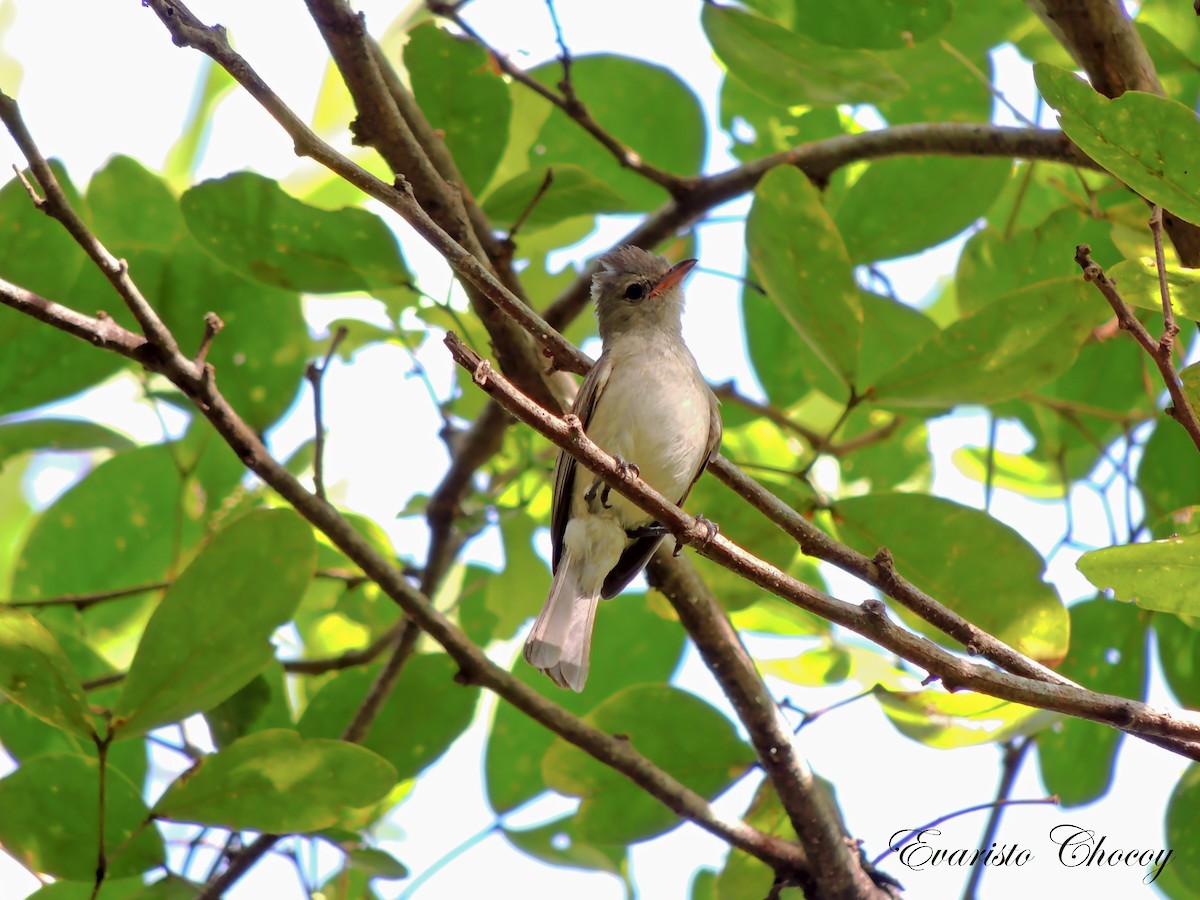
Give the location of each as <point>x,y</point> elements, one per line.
<point>989,475</point>
<point>807,717</point>
<point>533,202</point>
<point>826,440</point>
<point>1160,351</point>
<point>569,102</point>
<point>212,325</point>
<point>56,206</point>
<point>1170,329</point>
<point>348,660</point>
<point>316,377</point>
<point>83,601</point>
<point>1014,755</point>
<point>984,80</point>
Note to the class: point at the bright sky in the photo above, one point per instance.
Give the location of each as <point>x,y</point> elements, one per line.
<point>103,78</point>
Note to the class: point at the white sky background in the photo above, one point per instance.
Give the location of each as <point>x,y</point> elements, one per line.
<point>103,78</point>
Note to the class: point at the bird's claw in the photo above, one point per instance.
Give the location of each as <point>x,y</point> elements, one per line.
<point>711,529</point>
<point>626,470</point>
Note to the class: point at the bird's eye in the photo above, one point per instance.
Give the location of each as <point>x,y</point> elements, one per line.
<point>635,292</point>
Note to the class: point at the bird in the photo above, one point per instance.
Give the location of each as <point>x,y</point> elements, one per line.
<point>646,403</point>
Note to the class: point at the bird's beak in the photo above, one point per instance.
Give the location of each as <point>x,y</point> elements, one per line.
<point>673,278</point>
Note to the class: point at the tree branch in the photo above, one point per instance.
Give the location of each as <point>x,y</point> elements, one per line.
<point>818,160</point>
<point>188,31</point>
<point>55,205</point>
<point>1100,36</point>
<point>1160,351</point>
<point>832,864</point>
<point>868,619</point>
<point>382,125</point>
<point>568,101</point>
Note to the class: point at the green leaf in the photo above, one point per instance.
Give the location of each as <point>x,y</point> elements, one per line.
<point>426,710</point>
<point>903,205</point>
<point>632,645</point>
<point>117,528</point>
<point>556,843</point>
<point>260,354</point>
<point>36,674</point>
<point>776,127</point>
<point>1015,344</point>
<point>966,560</point>
<point>891,332</point>
<point>51,811</point>
<point>798,257</point>
<point>746,876</point>
<point>210,634</point>
<point>1139,286</point>
<point>873,24</point>
<point>507,595</point>
<point>1179,656</point>
<point>25,736</point>
<point>134,210</point>
<point>375,863</point>
<point>790,69</point>
<point>277,781</point>
<point>994,263</point>
<point>183,157</point>
<point>1011,471</point>
<point>1149,142</point>
<point>462,95</point>
<point>1073,418</point>
<point>675,730</point>
<point>1168,476</point>
<point>1108,654</point>
<point>572,191</point>
<point>941,87</point>
<point>57,434</point>
<point>1182,826</point>
<point>250,224</point>
<point>261,704</point>
<point>947,721</point>
<point>1159,575</point>
<point>647,108</point>
<point>39,364</point>
<point>834,663</point>
<point>171,887</point>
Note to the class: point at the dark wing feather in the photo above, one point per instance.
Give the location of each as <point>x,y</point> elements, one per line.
<point>638,554</point>
<point>565,465</point>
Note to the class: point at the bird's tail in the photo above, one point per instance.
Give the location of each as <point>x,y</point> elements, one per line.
<point>560,643</point>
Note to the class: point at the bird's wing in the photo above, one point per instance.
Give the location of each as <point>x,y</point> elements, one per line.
<point>637,554</point>
<point>564,467</point>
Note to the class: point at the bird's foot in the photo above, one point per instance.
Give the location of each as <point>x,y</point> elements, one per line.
<point>711,529</point>
<point>590,495</point>
<point>647,531</point>
<point>626,470</point>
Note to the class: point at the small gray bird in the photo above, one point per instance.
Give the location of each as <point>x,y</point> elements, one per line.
<point>647,404</point>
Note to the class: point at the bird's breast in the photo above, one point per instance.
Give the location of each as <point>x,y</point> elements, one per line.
<point>653,412</point>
